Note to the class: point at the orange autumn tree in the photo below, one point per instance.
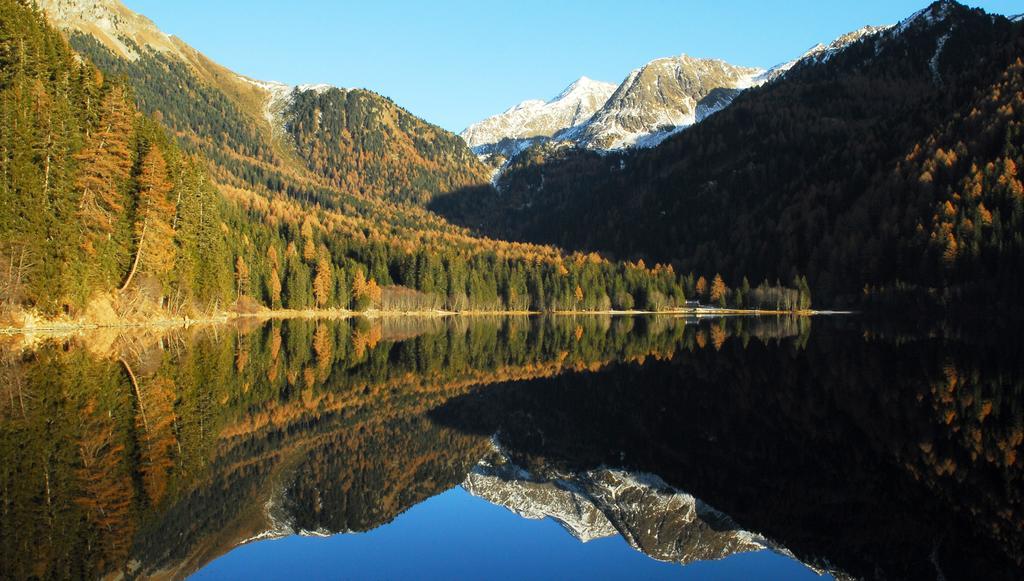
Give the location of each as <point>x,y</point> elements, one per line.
<point>367,293</point>
<point>323,281</point>
<point>106,164</point>
<point>242,276</point>
<point>702,287</point>
<point>155,249</point>
<point>719,290</point>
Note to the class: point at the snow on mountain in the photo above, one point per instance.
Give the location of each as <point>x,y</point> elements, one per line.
<point>539,119</point>
<point>279,96</point>
<point>656,519</point>
<point>654,102</point>
<point>126,33</point>
<point>662,96</point>
<point>668,95</point>
<point>820,53</point>
<point>111,23</point>
<point>318,88</point>
<point>936,12</point>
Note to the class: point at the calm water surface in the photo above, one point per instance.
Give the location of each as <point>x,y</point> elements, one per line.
<point>544,447</point>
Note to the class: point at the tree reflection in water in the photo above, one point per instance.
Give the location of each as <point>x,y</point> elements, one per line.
<point>868,453</point>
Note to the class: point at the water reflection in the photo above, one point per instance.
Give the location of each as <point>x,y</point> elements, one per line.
<point>653,517</point>
<point>868,454</point>
<point>872,455</point>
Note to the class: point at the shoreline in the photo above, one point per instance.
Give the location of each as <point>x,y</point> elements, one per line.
<point>56,327</point>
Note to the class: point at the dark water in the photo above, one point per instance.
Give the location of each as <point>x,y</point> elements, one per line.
<point>587,447</point>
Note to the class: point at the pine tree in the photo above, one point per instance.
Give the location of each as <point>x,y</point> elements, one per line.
<point>360,296</point>
<point>297,285</point>
<point>204,268</point>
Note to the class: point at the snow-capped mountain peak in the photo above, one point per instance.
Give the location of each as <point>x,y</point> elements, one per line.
<point>537,118</point>
<point>655,101</point>
<point>936,12</point>
<point>661,97</point>
<point>582,88</point>
<point>823,52</point>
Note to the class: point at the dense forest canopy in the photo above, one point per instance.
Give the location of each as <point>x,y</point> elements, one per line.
<point>107,215</point>
<point>362,142</point>
<point>889,172</point>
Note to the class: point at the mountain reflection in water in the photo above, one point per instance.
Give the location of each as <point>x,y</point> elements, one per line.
<point>858,451</point>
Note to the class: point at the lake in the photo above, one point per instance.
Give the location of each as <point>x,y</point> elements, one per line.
<point>515,447</point>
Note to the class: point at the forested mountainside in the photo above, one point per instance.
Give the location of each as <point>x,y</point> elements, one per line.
<point>106,217</point>
<point>194,104</point>
<point>92,193</point>
<point>888,170</point>
<point>361,142</point>
<point>291,140</point>
<point>267,135</point>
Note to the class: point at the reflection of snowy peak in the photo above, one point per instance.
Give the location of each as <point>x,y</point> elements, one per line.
<point>506,485</point>
<point>656,519</point>
<point>536,118</point>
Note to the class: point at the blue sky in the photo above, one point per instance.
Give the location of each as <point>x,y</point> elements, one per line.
<point>454,62</point>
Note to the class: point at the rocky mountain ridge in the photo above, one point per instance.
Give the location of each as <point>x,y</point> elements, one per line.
<point>266,134</point>
<point>654,518</point>
<point>522,124</point>
<point>111,23</point>
<point>662,96</point>
<point>654,102</point>
<point>823,52</point>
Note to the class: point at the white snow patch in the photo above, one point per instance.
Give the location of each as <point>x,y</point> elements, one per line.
<point>537,118</point>
<point>933,64</point>
<point>280,96</point>
<point>318,88</point>
<point>923,16</point>
<point>821,52</point>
